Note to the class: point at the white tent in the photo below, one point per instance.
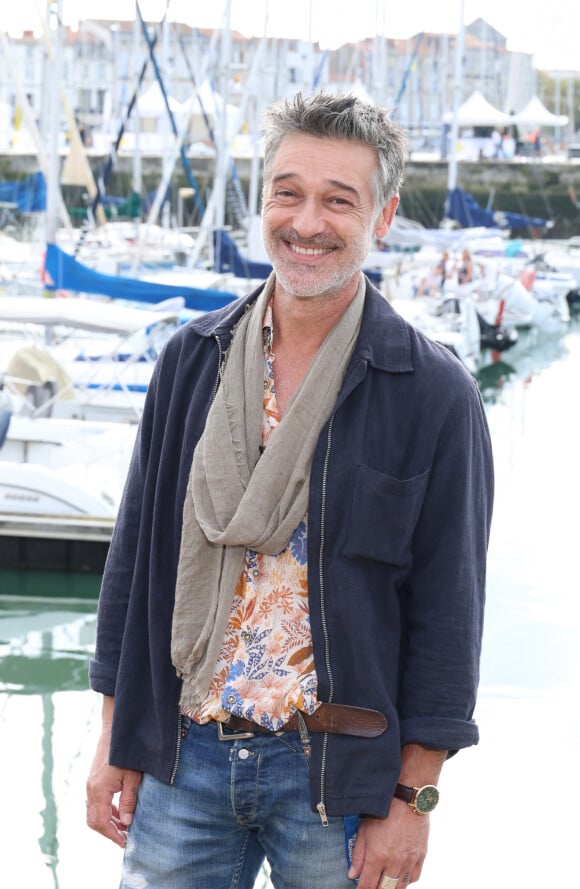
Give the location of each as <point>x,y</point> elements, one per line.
<point>356,88</point>
<point>152,103</point>
<point>153,119</point>
<point>478,112</point>
<point>536,114</point>
<point>206,102</point>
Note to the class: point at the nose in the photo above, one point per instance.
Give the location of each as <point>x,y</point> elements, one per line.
<point>308,218</point>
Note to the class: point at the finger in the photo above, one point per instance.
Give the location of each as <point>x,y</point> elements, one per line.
<point>128,798</point>
<point>373,874</point>
<point>105,820</point>
<point>410,871</point>
<point>357,858</point>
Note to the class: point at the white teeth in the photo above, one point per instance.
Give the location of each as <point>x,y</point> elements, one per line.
<point>309,251</point>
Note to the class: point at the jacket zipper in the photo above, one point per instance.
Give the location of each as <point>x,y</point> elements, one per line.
<point>213,395</point>
<point>219,371</point>
<point>177,747</point>
<point>321,806</point>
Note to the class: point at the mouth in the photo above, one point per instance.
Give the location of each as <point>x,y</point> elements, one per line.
<point>309,251</point>
<point>306,249</point>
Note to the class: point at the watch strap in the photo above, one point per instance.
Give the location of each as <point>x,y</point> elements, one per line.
<point>406,793</point>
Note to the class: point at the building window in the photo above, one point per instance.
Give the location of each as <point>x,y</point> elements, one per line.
<point>85,101</point>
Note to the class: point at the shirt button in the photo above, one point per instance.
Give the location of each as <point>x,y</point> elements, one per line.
<point>246,636</point>
<point>231,699</point>
<point>243,753</point>
<point>255,572</point>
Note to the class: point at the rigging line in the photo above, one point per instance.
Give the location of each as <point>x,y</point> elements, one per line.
<point>198,207</point>
<point>184,159</point>
<point>192,77</point>
<point>234,194</point>
<point>107,168</point>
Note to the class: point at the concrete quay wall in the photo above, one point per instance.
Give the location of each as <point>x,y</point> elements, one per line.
<point>548,187</point>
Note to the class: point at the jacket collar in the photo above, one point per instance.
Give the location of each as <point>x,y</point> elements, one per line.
<point>221,322</point>
<point>384,340</point>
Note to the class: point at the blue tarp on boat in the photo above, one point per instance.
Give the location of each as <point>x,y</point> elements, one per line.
<point>28,194</point>
<point>64,272</point>
<point>231,260</point>
<point>464,209</point>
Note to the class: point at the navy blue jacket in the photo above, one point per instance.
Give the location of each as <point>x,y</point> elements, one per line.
<point>398,524</point>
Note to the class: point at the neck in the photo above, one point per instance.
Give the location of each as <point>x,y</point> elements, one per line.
<point>304,323</point>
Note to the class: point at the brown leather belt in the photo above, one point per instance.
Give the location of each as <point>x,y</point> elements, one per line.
<point>338,719</point>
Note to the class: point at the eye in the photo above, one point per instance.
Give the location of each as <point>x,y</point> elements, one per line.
<point>284,193</point>
<point>340,201</point>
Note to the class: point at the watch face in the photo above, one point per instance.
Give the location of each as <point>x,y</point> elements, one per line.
<point>426,799</point>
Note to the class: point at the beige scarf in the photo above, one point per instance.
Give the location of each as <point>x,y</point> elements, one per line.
<point>236,498</point>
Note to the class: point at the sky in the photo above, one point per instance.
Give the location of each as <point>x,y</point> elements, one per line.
<point>549,31</point>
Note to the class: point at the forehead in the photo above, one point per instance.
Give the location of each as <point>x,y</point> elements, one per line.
<point>307,157</point>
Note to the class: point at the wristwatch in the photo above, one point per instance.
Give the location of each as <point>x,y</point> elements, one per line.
<point>421,799</point>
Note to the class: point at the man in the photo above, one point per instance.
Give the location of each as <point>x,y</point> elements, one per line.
<point>291,612</point>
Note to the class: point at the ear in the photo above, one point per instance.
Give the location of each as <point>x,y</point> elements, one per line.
<point>386,216</point>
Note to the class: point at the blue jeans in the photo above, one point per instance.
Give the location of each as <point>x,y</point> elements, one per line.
<point>232,805</point>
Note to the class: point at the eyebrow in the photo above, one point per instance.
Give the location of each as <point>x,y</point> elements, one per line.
<point>335,183</point>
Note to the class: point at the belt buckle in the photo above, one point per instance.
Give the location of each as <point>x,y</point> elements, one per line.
<point>233,736</point>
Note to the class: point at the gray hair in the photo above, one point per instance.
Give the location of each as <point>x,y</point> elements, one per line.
<point>341,117</point>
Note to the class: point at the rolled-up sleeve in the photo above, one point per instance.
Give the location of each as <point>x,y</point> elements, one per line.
<point>445,594</point>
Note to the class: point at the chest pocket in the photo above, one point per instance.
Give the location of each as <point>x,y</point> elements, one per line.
<point>384,512</point>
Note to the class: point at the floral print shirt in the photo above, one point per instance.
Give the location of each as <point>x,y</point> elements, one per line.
<point>265,669</point>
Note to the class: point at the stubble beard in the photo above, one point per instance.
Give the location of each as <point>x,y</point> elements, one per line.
<point>307,282</point>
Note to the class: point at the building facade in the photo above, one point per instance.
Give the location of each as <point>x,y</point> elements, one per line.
<point>100,64</point>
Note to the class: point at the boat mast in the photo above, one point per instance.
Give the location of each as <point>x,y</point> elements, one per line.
<point>167,159</point>
<point>222,148</point>
<point>137,77</point>
<point>54,59</point>
<point>457,92</point>
<point>255,97</point>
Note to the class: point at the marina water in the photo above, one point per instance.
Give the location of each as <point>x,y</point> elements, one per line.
<point>509,806</point>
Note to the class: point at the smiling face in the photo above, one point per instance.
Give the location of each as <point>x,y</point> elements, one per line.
<point>319,216</point>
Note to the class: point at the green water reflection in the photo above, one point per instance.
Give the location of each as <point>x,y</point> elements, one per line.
<point>44,647</point>
<point>49,585</point>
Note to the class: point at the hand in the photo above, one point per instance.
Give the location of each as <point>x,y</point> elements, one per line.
<point>395,846</point>
<point>103,783</point>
